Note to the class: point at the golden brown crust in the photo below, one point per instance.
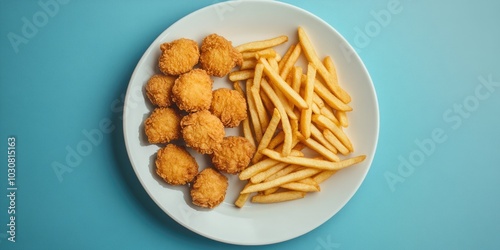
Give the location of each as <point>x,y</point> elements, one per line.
<point>159,90</point>
<point>163,126</point>
<point>230,106</point>
<point>175,165</point>
<point>218,56</point>
<point>233,155</point>
<point>192,91</point>
<point>178,56</point>
<point>202,131</point>
<point>209,188</point>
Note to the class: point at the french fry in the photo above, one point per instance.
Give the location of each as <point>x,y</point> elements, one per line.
<point>285,123</point>
<point>266,53</point>
<point>316,146</point>
<point>286,170</point>
<point>268,135</point>
<point>313,163</point>
<point>263,44</point>
<point>263,165</point>
<point>248,64</point>
<point>278,197</point>
<point>330,137</point>
<point>318,101</point>
<point>342,118</point>
<point>242,198</point>
<point>310,180</point>
<point>298,186</point>
<point>277,140</point>
<point>328,113</point>
<point>318,135</point>
<point>306,114</point>
<point>284,100</point>
<point>323,176</point>
<point>311,55</point>
<point>285,57</point>
<point>315,109</point>
<point>327,123</point>
<point>256,168</point>
<point>329,98</point>
<point>252,110</point>
<point>255,92</point>
<point>268,104</point>
<point>270,171</point>
<point>273,63</point>
<point>294,176</point>
<point>292,96</point>
<point>297,79</point>
<point>330,67</point>
<point>241,75</point>
<point>247,131</point>
<point>250,55</point>
<point>291,60</point>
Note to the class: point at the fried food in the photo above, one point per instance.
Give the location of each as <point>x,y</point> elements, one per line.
<point>175,165</point>
<point>218,56</point>
<point>178,56</point>
<point>192,91</point>
<point>230,106</point>
<point>209,188</point>
<point>202,131</point>
<point>159,90</point>
<point>233,155</point>
<point>163,125</point>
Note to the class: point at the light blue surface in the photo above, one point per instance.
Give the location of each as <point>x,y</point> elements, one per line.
<point>68,79</point>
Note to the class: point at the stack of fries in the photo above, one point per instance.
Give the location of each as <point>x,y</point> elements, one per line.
<point>290,110</point>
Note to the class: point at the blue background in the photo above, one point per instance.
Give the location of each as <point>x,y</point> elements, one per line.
<point>425,61</point>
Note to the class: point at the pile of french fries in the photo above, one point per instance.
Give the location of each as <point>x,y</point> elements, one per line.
<point>289,111</point>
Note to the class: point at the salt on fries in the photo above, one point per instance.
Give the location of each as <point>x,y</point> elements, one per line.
<point>290,110</point>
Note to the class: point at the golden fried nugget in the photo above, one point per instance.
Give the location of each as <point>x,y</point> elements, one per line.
<point>202,131</point>
<point>178,56</point>
<point>209,188</point>
<point>159,90</point>
<point>175,165</point>
<point>230,106</point>
<point>163,125</point>
<point>192,91</point>
<point>218,56</point>
<point>233,155</point>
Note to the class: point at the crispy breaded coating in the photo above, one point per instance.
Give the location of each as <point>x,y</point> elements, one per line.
<point>178,57</point>
<point>192,91</point>
<point>230,106</point>
<point>163,126</point>
<point>218,56</point>
<point>175,165</point>
<point>209,188</point>
<point>233,155</point>
<point>202,131</point>
<point>159,90</point>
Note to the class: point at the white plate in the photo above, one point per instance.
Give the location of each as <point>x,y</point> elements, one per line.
<point>255,224</point>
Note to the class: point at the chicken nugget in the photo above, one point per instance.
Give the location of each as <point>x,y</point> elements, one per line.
<point>218,56</point>
<point>175,165</point>
<point>202,131</point>
<point>159,90</point>
<point>163,125</point>
<point>178,57</point>
<point>233,155</point>
<point>230,106</point>
<point>192,91</point>
<point>209,188</point>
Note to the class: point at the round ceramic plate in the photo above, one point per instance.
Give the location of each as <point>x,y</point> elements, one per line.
<point>254,224</point>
